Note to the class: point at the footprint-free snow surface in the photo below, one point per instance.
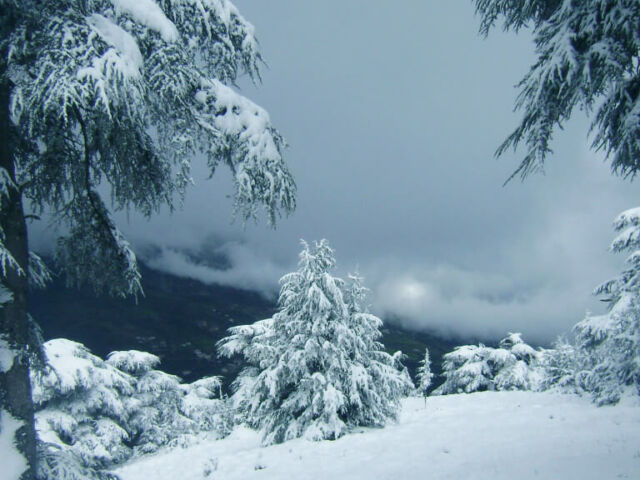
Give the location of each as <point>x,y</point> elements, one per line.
<point>490,435</point>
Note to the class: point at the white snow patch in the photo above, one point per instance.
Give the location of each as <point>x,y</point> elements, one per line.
<point>489,435</point>
<point>122,41</point>
<point>7,355</point>
<point>133,361</point>
<point>242,117</point>
<point>149,14</point>
<point>12,463</point>
<point>248,270</point>
<point>70,369</point>
<point>628,217</point>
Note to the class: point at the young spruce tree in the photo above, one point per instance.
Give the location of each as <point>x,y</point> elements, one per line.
<point>424,376</point>
<point>316,368</point>
<point>116,96</point>
<point>609,344</point>
<point>514,365</point>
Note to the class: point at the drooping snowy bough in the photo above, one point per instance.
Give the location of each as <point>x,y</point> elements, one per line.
<point>316,368</point>
<point>587,57</point>
<point>129,91</point>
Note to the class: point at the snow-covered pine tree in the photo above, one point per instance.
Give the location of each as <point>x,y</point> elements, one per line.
<point>610,343</point>
<point>514,365</point>
<point>465,370</point>
<point>587,56</point>
<point>119,94</point>
<point>316,367</point>
<point>424,376</point>
<point>518,368</point>
<point>384,379</point>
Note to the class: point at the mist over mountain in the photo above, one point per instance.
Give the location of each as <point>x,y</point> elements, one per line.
<point>181,319</point>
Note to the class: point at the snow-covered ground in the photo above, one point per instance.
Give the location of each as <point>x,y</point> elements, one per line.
<point>490,435</point>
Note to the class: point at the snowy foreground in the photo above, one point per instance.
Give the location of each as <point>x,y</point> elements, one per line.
<point>490,435</point>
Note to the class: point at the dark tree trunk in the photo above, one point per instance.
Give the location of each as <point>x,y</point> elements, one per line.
<point>15,386</point>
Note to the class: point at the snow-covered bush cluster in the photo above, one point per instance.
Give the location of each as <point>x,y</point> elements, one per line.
<point>514,365</point>
<point>93,413</point>
<point>602,358</point>
<point>316,368</point>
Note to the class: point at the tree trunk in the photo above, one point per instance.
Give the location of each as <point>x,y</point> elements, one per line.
<point>15,385</point>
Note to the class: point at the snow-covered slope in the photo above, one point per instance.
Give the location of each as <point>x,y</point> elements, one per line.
<point>490,435</point>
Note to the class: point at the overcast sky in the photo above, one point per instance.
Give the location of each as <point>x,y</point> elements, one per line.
<point>392,115</point>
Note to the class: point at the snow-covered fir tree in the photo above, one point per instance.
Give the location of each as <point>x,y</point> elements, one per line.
<point>424,376</point>
<point>385,378</point>
<point>316,368</point>
<point>92,414</point>
<point>519,368</point>
<point>121,95</point>
<point>587,57</point>
<point>514,365</point>
<point>465,370</point>
<point>610,344</point>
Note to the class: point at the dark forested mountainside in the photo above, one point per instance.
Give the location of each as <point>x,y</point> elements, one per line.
<point>180,320</point>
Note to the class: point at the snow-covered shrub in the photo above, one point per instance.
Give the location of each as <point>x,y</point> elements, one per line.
<point>81,404</point>
<point>610,348</point>
<point>103,412</point>
<point>563,367</point>
<point>316,368</point>
<point>465,370</point>
<point>514,365</point>
<point>517,369</point>
<point>57,463</point>
<point>203,404</point>
<point>154,408</point>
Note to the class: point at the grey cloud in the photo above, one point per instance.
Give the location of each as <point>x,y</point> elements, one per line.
<point>480,304</point>
<point>393,112</point>
<point>245,269</point>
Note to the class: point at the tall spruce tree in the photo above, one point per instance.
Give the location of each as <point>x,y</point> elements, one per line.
<point>315,368</point>
<point>118,96</point>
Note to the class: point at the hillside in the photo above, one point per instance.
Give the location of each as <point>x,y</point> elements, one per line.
<point>180,320</point>
<point>489,435</point>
